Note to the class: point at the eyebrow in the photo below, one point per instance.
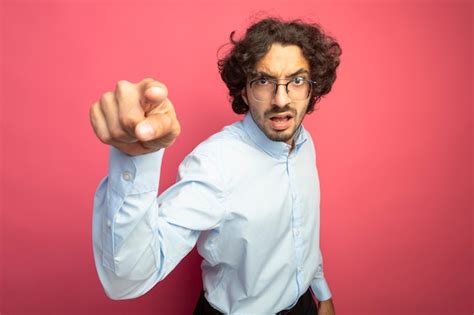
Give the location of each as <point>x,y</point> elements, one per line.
<point>264,74</point>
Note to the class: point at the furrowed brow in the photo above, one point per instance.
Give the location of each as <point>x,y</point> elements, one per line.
<point>300,71</point>
<point>262,74</point>
<point>259,74</point>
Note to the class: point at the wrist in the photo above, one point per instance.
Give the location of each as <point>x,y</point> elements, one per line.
<point>329,301</point>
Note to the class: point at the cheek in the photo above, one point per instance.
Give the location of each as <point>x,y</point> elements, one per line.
<point>258,116</point>
<point>301,112</point>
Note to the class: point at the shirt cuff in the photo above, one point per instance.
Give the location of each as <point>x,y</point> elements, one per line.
<point>321,289</point>
<point>134,174</point>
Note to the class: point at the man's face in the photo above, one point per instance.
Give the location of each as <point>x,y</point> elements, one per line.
<point>280,116</point>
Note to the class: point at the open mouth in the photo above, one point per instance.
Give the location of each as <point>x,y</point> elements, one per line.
<point>280,118</point>
<point>281,121</point>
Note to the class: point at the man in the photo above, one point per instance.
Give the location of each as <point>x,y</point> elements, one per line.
<point>248,196</point>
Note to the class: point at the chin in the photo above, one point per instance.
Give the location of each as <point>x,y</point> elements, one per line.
<point>282,136</point>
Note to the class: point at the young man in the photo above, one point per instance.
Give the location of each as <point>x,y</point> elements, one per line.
<point>248,196</point>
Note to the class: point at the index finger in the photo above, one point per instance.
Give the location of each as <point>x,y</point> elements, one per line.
<point>130,111</point>
<point>154,94</point>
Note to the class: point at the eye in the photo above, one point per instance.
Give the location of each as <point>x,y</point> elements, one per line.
<point>262,81</point>
<point>298,81</point>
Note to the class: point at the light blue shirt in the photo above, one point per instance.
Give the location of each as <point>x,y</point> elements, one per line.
<point>249,204</point>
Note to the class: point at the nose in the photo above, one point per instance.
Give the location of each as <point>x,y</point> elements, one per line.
<point>281,97</point>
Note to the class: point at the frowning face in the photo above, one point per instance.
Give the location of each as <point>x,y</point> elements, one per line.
<point>280,116</point>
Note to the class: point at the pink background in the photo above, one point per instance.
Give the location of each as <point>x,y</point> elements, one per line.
<point>394,142</point>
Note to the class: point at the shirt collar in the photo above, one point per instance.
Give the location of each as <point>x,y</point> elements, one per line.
<point>276,149</point>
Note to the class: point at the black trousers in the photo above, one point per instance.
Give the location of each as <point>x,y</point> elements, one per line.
<point>304,306</point>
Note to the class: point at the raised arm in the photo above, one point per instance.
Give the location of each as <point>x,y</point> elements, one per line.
<point>139,238</point>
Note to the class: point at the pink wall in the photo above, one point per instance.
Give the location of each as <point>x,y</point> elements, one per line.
<point>394,143</point>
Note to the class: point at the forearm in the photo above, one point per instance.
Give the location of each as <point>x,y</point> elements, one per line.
<point>326,307</point>
<point>124,203</point>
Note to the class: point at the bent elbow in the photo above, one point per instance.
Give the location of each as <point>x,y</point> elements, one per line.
<point>121,288</point>
<point>120,295</point>
<point>127,283</point>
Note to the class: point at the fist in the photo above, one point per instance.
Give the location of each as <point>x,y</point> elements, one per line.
<point>136,118</point>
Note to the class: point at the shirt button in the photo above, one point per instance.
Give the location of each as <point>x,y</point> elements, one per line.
<point>109,223</point>
<point>297,232</point>
<point>300,269</point>
<point>127,176</point>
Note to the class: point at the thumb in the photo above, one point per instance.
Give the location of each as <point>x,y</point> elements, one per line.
<point>153,127</point>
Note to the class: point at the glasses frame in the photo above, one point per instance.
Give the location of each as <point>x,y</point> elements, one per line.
<point>276,85</point>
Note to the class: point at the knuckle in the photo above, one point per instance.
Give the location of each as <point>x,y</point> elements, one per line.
<point>127,122</point>
<point>122,84</point>
<point>106,99</point>
<point>125,92</point>
<point>148,80</point>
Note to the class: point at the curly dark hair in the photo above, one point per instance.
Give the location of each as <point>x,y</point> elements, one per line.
<point>321,51</point>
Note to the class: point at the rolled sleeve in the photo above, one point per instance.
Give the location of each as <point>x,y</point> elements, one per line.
<point>321,289</point>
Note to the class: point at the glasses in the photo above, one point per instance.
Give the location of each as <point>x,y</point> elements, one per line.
<point>264,89</point>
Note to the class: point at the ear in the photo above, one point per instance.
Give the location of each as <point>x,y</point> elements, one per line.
<point>244,95</point>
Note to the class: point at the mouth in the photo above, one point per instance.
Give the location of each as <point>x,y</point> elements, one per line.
<point>281,121</point>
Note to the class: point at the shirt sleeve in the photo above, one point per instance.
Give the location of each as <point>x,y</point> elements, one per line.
<point>139,238</point>
<point>319,285</point>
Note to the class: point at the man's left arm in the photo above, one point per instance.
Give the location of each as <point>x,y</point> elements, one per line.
<point>321,290</point>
